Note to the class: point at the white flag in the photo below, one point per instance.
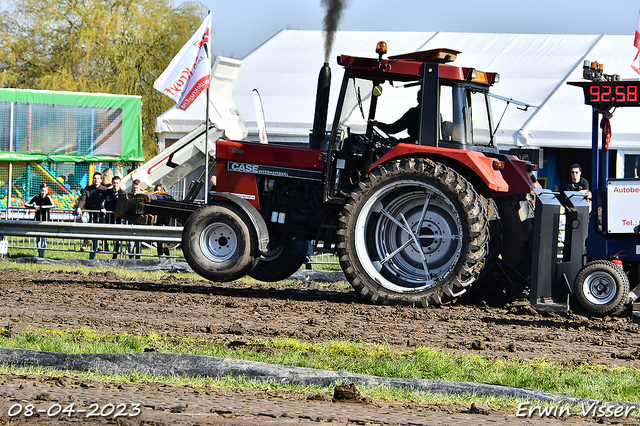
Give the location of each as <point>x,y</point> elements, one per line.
<point>189,72</point>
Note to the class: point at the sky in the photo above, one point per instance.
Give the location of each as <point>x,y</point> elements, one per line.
<point>241,26</point>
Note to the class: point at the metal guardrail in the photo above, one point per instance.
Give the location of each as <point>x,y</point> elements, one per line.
<point>65,227</point>
<point>95,231</point>
<point>68,232</point>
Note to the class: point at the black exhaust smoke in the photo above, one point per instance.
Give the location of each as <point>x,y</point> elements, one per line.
<point>322,106</point>
<point>334,13</point>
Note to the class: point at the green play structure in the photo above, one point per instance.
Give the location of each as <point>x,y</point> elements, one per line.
<point>61,138</point>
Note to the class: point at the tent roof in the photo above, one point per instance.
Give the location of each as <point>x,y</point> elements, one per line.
<point>534,68</point>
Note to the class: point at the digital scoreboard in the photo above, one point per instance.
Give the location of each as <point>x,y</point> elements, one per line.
<point>610,93</point>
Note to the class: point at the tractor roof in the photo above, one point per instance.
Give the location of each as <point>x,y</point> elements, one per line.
<point>410,66</point>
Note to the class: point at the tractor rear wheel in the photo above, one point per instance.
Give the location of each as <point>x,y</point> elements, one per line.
<point>281,261</point>
<point>602,287</point>
<point>413,232</point>
<point>219,242</point>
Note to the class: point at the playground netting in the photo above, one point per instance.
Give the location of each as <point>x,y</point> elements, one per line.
<point>61,138</point>
<point>64,179</point>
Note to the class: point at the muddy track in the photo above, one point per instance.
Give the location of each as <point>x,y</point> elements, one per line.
<point>307,311</point>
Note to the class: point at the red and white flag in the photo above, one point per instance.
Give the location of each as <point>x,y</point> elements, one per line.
<point>636,42</point>
<point>189,72</point>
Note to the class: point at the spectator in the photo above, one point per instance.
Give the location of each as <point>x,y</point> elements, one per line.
<point>162,248</point>
<point>107,177</point>
<point>136,188</point>
<point>576,182</point>
<point>91,199</point>
<point>43,204</point>
<point>214,180</point>
<point>108,206</point>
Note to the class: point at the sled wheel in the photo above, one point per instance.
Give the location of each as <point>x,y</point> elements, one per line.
<point>281,261</point>
<point>219,242</point>
<point>413,232</point>
<point>602,287</point>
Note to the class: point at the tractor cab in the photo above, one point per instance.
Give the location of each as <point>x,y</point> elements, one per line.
<point>409,99</point>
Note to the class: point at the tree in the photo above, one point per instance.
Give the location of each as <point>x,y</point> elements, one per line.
<point>107,46</point>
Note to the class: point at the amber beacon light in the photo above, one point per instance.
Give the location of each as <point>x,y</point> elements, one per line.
<point>381,49</point>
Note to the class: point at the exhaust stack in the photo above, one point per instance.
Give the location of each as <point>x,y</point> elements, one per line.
<point>322,107</point>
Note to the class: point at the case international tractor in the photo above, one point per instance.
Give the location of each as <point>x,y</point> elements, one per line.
<point>416,220</point>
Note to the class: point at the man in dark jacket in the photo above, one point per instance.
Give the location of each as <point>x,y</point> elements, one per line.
<point>42,204</point>
<point>136,188</point>
<point>161,193</point>
<point>576,182</point>
<point>91,199</point>
<point>108,207</point>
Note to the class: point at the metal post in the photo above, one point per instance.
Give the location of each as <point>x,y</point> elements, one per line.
<point>184,188</point>
<point>595,152</point>
<point>206,127</point>
<point>10,177</point>
<point>93,123</point>
<point>604,170</point>
<point>206,148</point>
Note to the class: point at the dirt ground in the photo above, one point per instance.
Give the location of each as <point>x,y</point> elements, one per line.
<point>306,311</point>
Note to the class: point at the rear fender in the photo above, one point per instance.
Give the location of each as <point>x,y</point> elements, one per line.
<point>515,173</point>
<point>256,219</point>
<point>475,161</point>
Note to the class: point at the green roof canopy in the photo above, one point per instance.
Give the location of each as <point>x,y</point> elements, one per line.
<point>42,125</point>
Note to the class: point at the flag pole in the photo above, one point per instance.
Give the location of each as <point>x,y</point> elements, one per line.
<point>206,151</point>
<point>206,128</point>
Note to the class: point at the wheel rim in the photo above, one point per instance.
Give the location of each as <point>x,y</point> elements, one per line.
<point>408,236</point>
<point>218,242</point>
<point>599,288</point>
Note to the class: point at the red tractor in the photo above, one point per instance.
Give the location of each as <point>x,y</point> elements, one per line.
<point>413,220</point>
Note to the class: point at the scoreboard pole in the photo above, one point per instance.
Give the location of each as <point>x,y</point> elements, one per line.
<point>595,152</point>
<point>604,93</point>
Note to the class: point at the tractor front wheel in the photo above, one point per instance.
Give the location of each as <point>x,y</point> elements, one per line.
<point>219,242</point>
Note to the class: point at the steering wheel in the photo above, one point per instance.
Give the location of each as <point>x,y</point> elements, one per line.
<point>383,140</point>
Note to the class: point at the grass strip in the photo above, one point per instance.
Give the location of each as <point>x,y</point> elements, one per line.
<point>601,382</point>
<point>378,393</point>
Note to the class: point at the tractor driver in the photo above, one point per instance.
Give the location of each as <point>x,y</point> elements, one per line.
<point>410,122</point>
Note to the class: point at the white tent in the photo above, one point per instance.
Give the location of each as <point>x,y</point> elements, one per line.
<point>534,68</point>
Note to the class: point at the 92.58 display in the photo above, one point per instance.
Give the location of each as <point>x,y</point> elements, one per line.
<point>623,93</point>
